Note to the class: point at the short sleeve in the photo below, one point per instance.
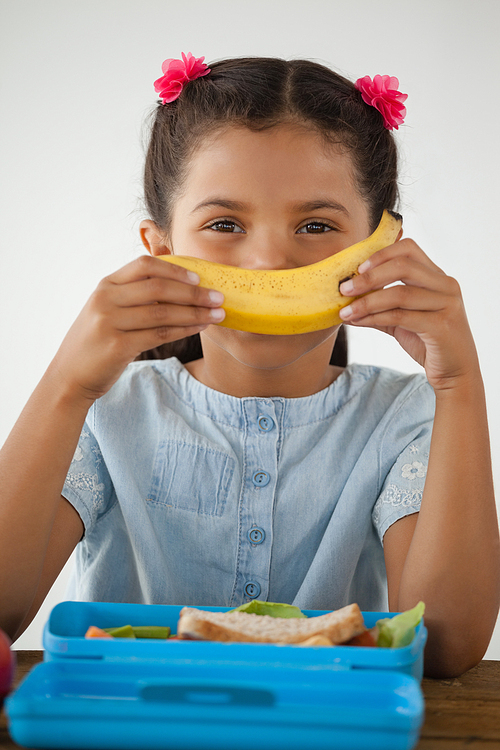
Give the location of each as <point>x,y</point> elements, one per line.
<point>88,486</point>
<point>402,490</point>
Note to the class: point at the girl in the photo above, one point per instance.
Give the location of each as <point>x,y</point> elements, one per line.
<point>226,465</point>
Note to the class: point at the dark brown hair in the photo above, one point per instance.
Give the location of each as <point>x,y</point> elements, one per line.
<point>261,93</point>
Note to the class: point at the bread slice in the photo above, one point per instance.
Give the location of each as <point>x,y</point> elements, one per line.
<point>338,626</point>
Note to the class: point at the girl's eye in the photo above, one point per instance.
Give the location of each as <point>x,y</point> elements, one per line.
<point>224,225</point>
<point>315,227</point>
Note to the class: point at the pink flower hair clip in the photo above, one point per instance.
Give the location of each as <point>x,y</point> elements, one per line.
<point>176,73</point>
<point>382,93</point>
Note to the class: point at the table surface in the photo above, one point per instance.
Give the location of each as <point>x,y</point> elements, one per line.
<point>459,713</point>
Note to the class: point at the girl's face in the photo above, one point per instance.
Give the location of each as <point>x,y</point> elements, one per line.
<point>268,200</point>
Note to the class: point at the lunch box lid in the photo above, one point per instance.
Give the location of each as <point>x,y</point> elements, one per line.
<point>137,706</point>
<point>127,694</point>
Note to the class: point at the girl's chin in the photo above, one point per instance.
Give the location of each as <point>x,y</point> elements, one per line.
<point>264,351</point>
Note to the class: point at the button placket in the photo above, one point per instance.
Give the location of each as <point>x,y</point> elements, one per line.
<point>257,499</point>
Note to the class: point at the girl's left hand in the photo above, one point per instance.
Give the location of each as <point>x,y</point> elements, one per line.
<point>424,312</point>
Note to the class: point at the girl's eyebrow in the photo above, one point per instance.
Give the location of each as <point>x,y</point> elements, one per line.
<point>318,204</point>
<point>221,203</point>
<point>305,207</point>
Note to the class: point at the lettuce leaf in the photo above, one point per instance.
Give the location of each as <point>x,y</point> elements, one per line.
<point>399,631</point>
<point>273,609</point>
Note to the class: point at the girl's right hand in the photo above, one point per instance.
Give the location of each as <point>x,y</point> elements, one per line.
<point>144,304</point>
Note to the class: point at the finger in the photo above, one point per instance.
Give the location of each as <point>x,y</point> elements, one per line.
<point>159,289</point>
<point>401,268</point>
<point>146,266</point>
<point>414,321</point>
<point>145,317</point>
<point>395,298</point>
<point>405,247</point>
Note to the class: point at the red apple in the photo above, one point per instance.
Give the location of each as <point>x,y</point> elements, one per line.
<point>7,665</point>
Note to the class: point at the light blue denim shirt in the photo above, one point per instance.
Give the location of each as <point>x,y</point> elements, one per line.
<point>191,496</point>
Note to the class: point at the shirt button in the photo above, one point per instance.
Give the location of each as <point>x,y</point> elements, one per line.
<point>266,423</point>
<point>252,589</point>
<point>256,535</point>
<point>261,478</point>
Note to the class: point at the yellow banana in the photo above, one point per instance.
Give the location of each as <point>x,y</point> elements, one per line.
<point>292,300</point>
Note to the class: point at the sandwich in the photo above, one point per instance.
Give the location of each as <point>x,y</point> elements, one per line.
<point>269,622</point>
<point>331,629</point>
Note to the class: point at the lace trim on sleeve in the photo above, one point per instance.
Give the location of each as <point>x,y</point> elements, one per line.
<point>397,498</point>
<point>85,481</point>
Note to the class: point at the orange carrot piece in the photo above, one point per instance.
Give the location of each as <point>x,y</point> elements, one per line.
<point>95,632</point>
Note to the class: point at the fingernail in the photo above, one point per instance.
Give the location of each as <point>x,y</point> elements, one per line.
<point>346,287</point>
<point>364,266</point>
<point>345,312</point>
<point>218,314</point>
<point>193,277</point>
<point>216,297</point>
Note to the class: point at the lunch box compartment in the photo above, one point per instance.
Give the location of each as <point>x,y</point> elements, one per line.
<point>64,633</point>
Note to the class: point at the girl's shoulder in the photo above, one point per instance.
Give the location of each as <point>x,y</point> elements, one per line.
<point>144,374</point>
<point>392,388</point>
<point>141,386</point>
<point>383,382</point>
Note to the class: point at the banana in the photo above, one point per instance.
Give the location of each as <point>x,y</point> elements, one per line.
<point>292,300</point>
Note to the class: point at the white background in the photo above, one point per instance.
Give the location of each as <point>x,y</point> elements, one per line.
<point>77,83</point>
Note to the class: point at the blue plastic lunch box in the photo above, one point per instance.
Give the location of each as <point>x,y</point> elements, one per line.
<point>128,694</point>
